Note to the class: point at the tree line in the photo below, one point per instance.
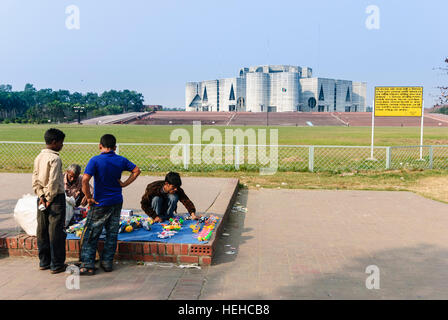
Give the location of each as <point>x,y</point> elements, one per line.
<point>46,105</point>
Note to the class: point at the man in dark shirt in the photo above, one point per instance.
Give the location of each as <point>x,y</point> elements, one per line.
<point>161,197</point>
<point>105,205</point>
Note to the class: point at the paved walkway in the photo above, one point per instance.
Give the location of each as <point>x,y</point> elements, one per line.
<point>291,244</point>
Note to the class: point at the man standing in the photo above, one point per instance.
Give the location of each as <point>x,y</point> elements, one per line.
<point>105,205</point>
<point>48,185</point>
<point>161,197</point>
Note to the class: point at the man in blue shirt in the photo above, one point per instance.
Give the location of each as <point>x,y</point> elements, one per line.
<point>106,203</point>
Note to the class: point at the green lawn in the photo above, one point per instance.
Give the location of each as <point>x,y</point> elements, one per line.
<point>155,160</point>
<point>159,158</point>
<point>348,136</point>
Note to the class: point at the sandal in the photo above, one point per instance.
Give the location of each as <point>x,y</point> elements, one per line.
<point>86,272</point>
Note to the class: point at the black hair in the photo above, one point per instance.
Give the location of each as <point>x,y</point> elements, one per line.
<point>53,135</point>
<point>173,178</point>
<point>108,141</point>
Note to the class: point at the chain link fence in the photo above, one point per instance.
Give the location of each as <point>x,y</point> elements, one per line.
<point>19,157</point>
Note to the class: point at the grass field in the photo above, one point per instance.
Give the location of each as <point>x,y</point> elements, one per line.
<point>429,183</point>
<point>347,136</point>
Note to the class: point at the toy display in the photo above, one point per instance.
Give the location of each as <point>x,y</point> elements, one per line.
<point>206,233</point>
<point>79,214</point>
<point>131,223</point>
<point>77,228</point>
<point>202,229</point>
<point>175,224</point>
<point>207,230</point>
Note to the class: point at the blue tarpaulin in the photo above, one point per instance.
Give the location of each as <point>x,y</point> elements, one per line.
<point>184,235</point>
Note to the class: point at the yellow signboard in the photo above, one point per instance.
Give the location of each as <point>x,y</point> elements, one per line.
<point>398,101</point>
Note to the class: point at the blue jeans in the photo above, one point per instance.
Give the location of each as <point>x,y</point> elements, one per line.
<point>165,206</point>
<point>99,217</point>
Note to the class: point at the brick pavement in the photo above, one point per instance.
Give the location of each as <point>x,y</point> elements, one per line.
<point>291,244</point>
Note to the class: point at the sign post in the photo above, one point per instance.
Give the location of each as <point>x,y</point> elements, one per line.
<point>373,130</point>
<point>421,130</point>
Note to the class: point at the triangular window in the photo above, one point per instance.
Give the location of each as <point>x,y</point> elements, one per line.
<point>196,101</point>
<point>347,98</point>
<point>321,94</point>
<point>232,94</point>
<point>204,97</point>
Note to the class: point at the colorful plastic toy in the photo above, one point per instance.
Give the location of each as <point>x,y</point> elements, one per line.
<point>166,234</point>
<point>146,225</point>
<point>206,233</point>
<point>77,227</point>
<point>195,227</point>
<point>207,230</point>
<point>175,224</point>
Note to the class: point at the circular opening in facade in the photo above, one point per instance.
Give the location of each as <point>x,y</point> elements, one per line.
<point>312,103</point>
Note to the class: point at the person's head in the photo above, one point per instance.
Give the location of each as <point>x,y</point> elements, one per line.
<point>54,139</point>
<point>172,182</point>
<point>108,143</point>
<point>73,172</point>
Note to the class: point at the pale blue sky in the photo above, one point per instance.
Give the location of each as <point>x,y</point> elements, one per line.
<point>154,47</point>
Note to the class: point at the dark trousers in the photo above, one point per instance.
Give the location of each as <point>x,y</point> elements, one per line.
<point>97,218</point>
<point>51,234</point>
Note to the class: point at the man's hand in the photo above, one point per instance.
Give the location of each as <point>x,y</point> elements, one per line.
<point>44,202</point>
<point>86,189</point>
<point>91,201</point>
<point>122,184</point>
<point>157,219</point>
<point>134,174</point>
<point>194,216</point>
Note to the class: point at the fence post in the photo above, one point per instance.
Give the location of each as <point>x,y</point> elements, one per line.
<point>431,157</point>
<point>117,151</point>
<point>186,155</point>
<point>237,157</point>
<point>311,159</point>
<point>388,157</point>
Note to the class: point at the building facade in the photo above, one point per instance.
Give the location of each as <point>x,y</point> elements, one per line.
<point>276,88</point>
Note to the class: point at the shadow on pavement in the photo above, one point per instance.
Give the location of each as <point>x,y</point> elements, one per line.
<point>234,226</point>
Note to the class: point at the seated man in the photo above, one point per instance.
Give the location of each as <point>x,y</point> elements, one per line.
<point>160,198</point>
<point>73,185</point>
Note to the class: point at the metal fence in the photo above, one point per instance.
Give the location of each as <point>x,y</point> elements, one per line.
<point>19,157</point>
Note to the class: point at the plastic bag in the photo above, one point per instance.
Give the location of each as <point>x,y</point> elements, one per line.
<point>69,206</point>
<point>25,214</point>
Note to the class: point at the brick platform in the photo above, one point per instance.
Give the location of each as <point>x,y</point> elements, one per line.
<point>14,244</point>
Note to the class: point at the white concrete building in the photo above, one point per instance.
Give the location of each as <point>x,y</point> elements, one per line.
<point>276,88</point>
